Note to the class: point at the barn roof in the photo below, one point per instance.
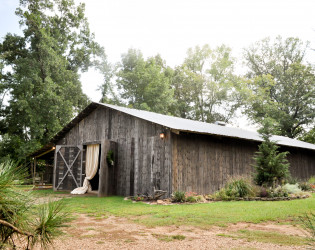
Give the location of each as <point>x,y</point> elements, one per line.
<point>192,126</point>
<point>176,123</point>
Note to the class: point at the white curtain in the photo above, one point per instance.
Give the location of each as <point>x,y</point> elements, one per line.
<point>92,154</point>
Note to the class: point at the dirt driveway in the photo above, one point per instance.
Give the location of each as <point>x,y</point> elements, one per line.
<point>119,233</point>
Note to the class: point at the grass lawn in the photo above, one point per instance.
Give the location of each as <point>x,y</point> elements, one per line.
<point>201,215</point>
<point>267,237</point>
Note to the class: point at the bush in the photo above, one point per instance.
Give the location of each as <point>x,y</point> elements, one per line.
<point>192,199</point>
<point>305,186</point>
<point>221,195</point>
<point>263,192</point>
<point>292,188</point>
<point>279,191</point>
<point>237,187</point>
<point>311,180</point>
<point>178,196</point>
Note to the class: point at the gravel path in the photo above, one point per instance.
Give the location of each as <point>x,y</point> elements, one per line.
<point>119,233</point>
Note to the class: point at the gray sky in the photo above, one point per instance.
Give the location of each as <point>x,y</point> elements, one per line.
<point>170,27</point>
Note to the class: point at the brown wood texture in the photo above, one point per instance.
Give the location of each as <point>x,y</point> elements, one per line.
<point>180,161</point>
<point>203,163</point>
<point>135,151</point>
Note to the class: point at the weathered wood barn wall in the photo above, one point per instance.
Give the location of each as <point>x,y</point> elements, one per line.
<point>203,163</point>
<point>143,159</point>
<point>186,161</point>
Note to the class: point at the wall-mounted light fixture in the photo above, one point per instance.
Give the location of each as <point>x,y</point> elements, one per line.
<point>162,135</point>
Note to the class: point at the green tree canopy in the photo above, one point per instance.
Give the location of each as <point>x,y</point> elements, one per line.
<point>40,72</point>
<point>205,86</point>
<point>282,84</point>
<point>144,84</point>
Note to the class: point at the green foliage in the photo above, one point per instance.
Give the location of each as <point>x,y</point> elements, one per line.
<point>279,191</point>
<point>48,223</point>
<point>309,136</point>
<point>305,186</point>
<point>239,187</point>
<point>282,85</point>
<point>144,84</point>
<point>235,188</point>
<point>205,86</point>
<point>308,223</point>
<point>311,180</point>
<point>110,158</point>
<point>42,86</point>
<point>169,238</point>
<point>292,189</point>
<point>18,215</point>
<point>267,237</point>
<point>271,166</point>
<point>178,196</point>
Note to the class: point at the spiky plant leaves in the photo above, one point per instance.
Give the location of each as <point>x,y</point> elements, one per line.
<point>47,226</point>
<point>20,217</point>
<point>13,202</point>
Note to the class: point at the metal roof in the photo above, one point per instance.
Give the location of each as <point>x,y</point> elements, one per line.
<point>175,123</point>
<point>187,125</point>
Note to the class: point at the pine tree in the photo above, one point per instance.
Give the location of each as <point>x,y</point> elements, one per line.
<point>271,165</point>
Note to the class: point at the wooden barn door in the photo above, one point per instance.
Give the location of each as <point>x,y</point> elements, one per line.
<point>68,167</point>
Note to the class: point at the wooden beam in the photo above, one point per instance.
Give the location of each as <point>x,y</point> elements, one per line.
<point>46,152</point>
<point>175,131</point>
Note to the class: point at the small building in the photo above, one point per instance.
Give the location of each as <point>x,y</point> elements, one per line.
<point>152,151</point>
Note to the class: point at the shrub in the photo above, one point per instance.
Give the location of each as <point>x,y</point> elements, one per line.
<point>237,187</point>
<point>311,180</point>
<point>279,191</point>
<point>292,188</point>
<point>138,198</point>
<point>271,166</point>
<point>263,192</point>
<point>178,196</point>
<point>191,199</point>
<point>305,186</point>
<point>220,195</point>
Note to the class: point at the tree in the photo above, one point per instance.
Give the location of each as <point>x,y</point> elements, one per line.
<point>205,86</point>
<point>309,136</point>
<point>271,166</point>
<point>283,86</point>
<point>42,80</point>
<point>144,84</point>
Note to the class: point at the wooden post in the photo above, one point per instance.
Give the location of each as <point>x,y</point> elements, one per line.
<point>103,173</point>
<point>107,176</point>
<point>34,171</point>
<point>32,168</point>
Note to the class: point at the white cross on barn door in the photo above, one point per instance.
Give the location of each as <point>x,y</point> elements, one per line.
<point>68,167</point>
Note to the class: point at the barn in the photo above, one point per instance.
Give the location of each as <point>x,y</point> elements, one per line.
<point>137,152</point>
